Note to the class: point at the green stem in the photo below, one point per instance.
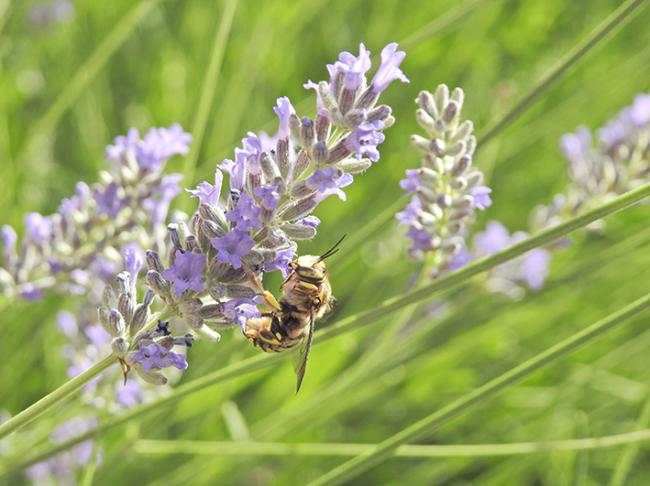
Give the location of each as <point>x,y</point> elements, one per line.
<point>627,457</point>
<point>246,448</point>
<point>361,463</point>
<point>614,20</point>
<point>351,323</point>
<point>51,399</point>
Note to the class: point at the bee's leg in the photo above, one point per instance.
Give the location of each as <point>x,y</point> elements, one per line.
<point>269,298</point>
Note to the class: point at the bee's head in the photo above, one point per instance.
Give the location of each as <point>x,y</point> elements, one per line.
<point>311,266</point>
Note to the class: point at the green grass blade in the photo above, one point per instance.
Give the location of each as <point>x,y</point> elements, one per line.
<point>628,455</point>
<point>209,87</point>
<point>247,448</point>
<point>361,463</point>
<point>595,38</point>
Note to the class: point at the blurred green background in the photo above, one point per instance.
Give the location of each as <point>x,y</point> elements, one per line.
<point>68,87</point>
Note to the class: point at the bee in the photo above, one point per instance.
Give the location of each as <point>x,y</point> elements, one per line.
<point>306,297</point>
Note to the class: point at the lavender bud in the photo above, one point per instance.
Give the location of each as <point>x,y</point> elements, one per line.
<point>298,231</point>
<point>104,316</point>
<point>307,134</point>
<point>140,318</point>
<point>158,284</point>
<point>294,126</point>
<point>301,190</point>
<point>148,297</point>
<point>461,165</point>
<point>455,148</point>
<point>367,99</point>
<point>320,153</point>
<point>115,323</point>
<point>339,152</point>
<point>211,312</point>
<point>458,96</point>
<point>474,178</point>
<point>152,377</point>
<point>426,122</point>
<point>346,100</point>
<point>282,156</point>
<point>450,113</point>
<point>380,113</point>
<point>174,236</point>
<point>208,334</point>
<point>441,98</point>
<point>354,166</point>
<point>322,127</point>
<point>302,162</point>
<point>421,143</point>
<point>126,304</point>
<point>119,346</point>
<point>464,130</point>
<point>354,118</point>
<point>269,168</point>
<point>299,209</point>
<point>153,261</point>
<point>216,216</point>
<point>109,299</point>
<point>426,102</point>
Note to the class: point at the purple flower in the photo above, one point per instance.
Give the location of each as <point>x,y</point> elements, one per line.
<point>122,145</point>
<point>389,69</point>
<point>328,181</point>
<point>494,239</point>
<point>233,247</point>
<point>247,159</point>
<point>281,261</point>
<point>159,144</point>
<point>246,214</point>
<point>638,114</point>
<point>575,146</point>
<point>38,228</point>
<point>353,68</point>
<point>158,203</point>
<point>31,293</point>
<point>108,202</point>
<point>67,324</point>
<point>534,268</point>
<point>133,260</point>
<point>97,335</point>
<point>420,239</point>
<point>186,272</point>
<point>411,212</point>
<point>364,139</point>
<point>612,133</point>
<point>459,259</point>
<point>312,221</point>
<point>268,197</point>
<point>481,197</point>
<point>9,238</point>
<point>412,182</point>
<point>129,394</point>
<point>284,109</point>
<point>238,311</point>
<point>209,193</point>
<point>154,356</point>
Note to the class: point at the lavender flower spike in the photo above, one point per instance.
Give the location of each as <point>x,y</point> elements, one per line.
<point>446,190</point>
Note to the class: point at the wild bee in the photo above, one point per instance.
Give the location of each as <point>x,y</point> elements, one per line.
<point>306,297</point>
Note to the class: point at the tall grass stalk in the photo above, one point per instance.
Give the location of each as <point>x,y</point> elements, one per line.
<point>352,468</point>
<point>248,448</point>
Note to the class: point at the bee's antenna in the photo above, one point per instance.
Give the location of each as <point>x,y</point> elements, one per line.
<point>332,250</point>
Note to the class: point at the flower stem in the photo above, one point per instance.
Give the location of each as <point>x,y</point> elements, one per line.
<point>446,282</point>
<point>234,448</point>
<point>51,399</point>
<point>366,460</point>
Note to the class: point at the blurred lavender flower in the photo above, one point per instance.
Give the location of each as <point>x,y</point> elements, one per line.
<point>446,190</point>
<point>81,244</point>
<point>618,161</point>
<point>48,13</point>
<point>530,270</point>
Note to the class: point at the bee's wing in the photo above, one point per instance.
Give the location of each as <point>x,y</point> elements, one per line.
<point>300,360</point>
